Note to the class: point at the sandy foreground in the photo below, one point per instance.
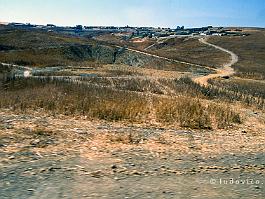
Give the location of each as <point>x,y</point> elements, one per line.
<point>43,156</point>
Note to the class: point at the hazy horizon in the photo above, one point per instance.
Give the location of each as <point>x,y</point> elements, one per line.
<point>155,13</point>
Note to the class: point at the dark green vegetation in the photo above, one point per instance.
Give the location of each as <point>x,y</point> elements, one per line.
<point>250,50</point>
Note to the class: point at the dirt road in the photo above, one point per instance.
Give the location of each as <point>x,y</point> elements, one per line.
<point>226,70</point>
<point>166,58</point>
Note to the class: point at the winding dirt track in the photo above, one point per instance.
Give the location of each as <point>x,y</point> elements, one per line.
<point>226,70</point>
<point>165,58</point>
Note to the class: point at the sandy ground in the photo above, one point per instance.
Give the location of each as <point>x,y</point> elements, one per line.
<point>43,156</point>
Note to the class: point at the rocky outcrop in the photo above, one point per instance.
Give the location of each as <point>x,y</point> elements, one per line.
<point>141,60</point>
<point>104,54</point>
<point>98,53</point>
<point>108,55</point>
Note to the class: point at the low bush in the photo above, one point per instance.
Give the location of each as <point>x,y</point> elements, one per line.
<point>191,113</point>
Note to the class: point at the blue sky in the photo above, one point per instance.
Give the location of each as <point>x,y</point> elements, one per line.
<point>163,13</point>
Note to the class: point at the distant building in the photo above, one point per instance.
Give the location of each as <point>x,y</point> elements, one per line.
<point>51,25</point>
<point>79,27</point>
<point>22,25</point>
<point>217,34</point>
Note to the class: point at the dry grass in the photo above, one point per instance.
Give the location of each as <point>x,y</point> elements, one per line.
<point>250,92</point>
<point>185,49</point>
<point>191,113</point>
<point>145,61</point>
<point>78,55</point>
<point>125,137</point>
<point>50,57</point>
<point>137,84</point>
<point>42,49</point>
<point>223,115</point>
<point>121,40</point>
<point>187,112</point>
<point>220,92</point>
<point>190,50</point>
<point>70,99</point>
<point>32,39</point>
<point>59,97</point>
<point>39,48</point>
<point>120,72</point>
<point>245,86</point>
<point>250,50</point>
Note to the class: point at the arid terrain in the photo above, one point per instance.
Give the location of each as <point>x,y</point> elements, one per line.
<point>108,117</point>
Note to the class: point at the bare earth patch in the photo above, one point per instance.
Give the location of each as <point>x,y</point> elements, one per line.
<point>71,157</point>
